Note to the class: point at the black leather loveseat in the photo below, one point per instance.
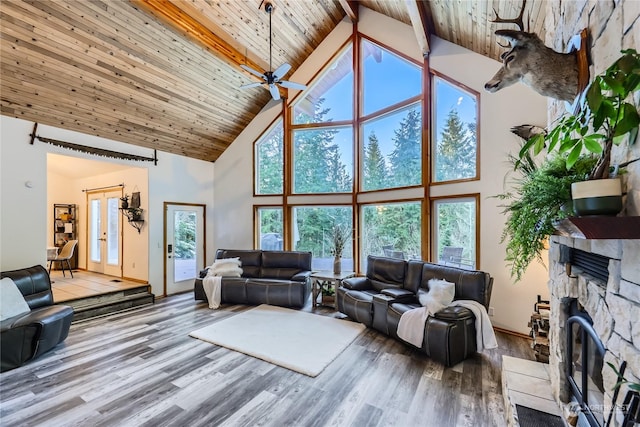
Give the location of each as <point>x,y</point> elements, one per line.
<point>391,287</point>
<point>268,277</point>
<point>27,336</point>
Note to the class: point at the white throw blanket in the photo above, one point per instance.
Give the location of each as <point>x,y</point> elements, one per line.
<point>412,324</point>
<point>212,288</point>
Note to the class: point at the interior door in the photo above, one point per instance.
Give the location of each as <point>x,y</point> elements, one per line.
<point>105,233</point>
<point>184,246</point>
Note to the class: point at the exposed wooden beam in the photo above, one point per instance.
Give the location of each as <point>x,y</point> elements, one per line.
<point>422,23</point>
<point>351,8</point>
<point>173,15</point>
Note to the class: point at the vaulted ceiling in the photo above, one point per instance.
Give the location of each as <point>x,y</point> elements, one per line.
<point>165,74</point>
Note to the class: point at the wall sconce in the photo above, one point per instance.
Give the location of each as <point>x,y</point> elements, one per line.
<point>133,214</point>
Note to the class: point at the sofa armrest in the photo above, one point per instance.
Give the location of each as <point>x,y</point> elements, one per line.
<point>398,294</point>
<point>356,283</point>
<point>454,313</point>
<point>203,273</point>
<point>303,276</point>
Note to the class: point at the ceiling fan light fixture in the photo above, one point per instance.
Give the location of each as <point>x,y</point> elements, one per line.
<point>272,79</point>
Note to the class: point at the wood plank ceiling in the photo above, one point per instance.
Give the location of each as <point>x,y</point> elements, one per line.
<point>164,74</point>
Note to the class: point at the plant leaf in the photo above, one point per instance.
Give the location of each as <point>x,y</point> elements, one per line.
<point>592,143</point>
<point>567,145</point>
<point>594,95</point>
<point>629,119</point>
<point>538,143</point>
<point>574,155</point>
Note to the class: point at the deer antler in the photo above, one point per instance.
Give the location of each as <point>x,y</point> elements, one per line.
<point>518,21</point>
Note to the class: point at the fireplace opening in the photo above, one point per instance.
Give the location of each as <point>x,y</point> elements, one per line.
<point>584,367</point>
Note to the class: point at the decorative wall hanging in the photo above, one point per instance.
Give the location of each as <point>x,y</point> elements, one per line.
<point>92,150</point>
<point>133,213</point>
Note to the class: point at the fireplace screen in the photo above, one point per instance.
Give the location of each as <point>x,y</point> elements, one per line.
<point>584,370</point>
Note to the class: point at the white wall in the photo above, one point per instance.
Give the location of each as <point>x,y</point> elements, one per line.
<point>513,106</point>
<point>25,212</point>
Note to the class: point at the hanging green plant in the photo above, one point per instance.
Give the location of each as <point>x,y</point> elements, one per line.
<point>541,196</point>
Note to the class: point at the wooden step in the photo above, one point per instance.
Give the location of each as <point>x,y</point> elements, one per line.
<point>110,303</point>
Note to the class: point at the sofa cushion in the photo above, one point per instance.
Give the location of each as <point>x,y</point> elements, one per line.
<point>284,265</point>
<point>385,272</point>
<point>12,302</point>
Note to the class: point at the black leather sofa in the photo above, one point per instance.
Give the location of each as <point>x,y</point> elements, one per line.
<point>27,336</point>
<point>391,287</point>
<point>268,277</point>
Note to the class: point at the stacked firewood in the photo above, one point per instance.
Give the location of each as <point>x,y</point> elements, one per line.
<point>539,333</point>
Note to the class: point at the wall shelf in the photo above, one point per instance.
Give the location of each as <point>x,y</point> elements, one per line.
<point>600,227</point>
<point>134,217</point>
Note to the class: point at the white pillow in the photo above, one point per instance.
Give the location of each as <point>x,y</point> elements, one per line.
<point>440,295</point>
<point>226,262</point>
<point>12,302</point>
<point>226,271</point>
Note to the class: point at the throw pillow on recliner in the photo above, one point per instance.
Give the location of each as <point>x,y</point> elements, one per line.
<point>12,302</point>
<point>439,296</point>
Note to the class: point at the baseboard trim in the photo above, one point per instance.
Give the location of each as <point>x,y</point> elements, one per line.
<point>507,331</point>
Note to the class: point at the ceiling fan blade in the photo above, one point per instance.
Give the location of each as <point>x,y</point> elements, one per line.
<point>252,71</point>
<point>248,85</point>
<point>275,93</point>
<point>292,85</point>
<point>281,71</point>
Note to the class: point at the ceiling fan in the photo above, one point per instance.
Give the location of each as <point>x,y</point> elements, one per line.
<point>272,78</point>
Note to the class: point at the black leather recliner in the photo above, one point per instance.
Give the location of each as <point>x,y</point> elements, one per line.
<point>356,295</point>
<point>279,278</point>
<point>380,299</point>
<point>27,336</point>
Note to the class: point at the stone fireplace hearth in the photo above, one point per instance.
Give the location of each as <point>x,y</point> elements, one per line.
<point>612,303</point>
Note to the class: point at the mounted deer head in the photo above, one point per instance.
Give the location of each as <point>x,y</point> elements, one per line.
<point>546,71</point>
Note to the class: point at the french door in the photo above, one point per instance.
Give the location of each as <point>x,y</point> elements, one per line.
<point>104,233</point>
<point>184,245</point>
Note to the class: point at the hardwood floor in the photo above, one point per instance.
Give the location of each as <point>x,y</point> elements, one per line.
<point>142,369</point>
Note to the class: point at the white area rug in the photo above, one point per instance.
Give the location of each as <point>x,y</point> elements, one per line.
<point>296,340</point>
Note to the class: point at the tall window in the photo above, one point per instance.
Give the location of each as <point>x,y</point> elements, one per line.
<point>269,155</point>
<point>455,231</point>
<point>392,230</point>
<point>270,227</point>
<point>312,230</point>
<point>456,130</point>
<point>361,155</point>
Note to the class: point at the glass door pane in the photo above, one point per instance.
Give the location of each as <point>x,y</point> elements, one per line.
<point>94,231</point>
<point>185,266</point>
<point>455,232</point>
<point>113,234</point>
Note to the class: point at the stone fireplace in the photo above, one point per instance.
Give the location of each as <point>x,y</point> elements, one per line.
<point>611,305</point>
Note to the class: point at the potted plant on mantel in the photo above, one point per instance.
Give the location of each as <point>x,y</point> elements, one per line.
<point>605,116</point>
<point>540,196</point>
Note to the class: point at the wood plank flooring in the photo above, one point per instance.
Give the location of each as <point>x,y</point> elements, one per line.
<point>142,369</point>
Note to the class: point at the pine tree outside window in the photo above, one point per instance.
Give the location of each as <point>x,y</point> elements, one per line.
<point>269,158</point>
<point>455,133</point>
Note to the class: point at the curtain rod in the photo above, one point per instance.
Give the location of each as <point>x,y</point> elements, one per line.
<point>95,151</point>
<point>102,188</point>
